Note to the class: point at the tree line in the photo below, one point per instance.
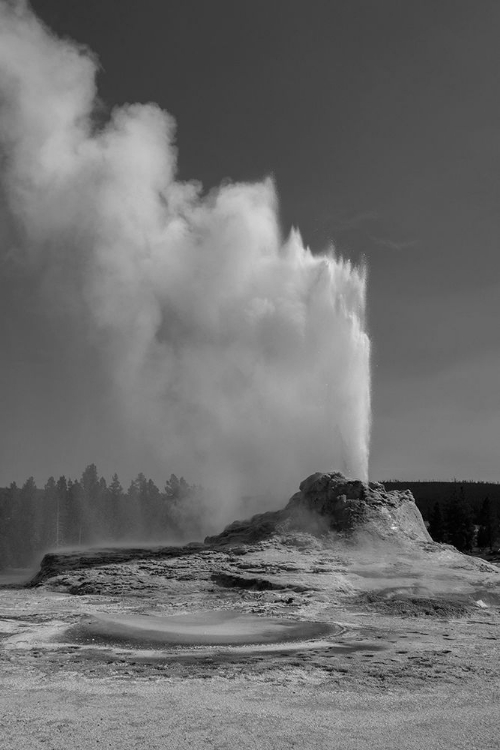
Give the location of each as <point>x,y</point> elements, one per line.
<point>69,512</point>
<point>463,513</point>
<point>454,521</point>
<point>427,492</point>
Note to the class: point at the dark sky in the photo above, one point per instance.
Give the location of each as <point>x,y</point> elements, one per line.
<point>380,122</point>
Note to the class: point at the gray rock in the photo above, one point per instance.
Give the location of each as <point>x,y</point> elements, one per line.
<point>330,503</point>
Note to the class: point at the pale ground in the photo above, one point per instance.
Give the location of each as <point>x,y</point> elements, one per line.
<point>386,679</point>
<point>66,711</point>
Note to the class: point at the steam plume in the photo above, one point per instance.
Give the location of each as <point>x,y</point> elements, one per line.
<point>242,358</point>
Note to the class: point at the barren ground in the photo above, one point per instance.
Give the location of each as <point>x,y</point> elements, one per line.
<point>412,660</point>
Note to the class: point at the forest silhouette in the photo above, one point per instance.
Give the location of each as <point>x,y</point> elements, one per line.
<point>90,511</point>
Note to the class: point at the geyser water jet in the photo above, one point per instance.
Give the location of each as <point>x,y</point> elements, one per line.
<point>241,358</point>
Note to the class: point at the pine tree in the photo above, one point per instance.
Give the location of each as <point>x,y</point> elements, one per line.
<point>488,525</point>
<point>49,519</point>
<point>459,521</point>
<point>27,499</point>
<point>75,515</point>
<point>116,508</point>
<point>172,488</point>
<point>436,524</point>
<point>90,481</point>
<point>11,551</point>
<point>62,521</point>
<point>131,527</point>
<point>90,521</point>
<point>152,508</point>
<point>146,499</point>
<point>184,508</point>
<point>101,530</point>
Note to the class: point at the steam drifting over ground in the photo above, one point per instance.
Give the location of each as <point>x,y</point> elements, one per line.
<point>240,357</point>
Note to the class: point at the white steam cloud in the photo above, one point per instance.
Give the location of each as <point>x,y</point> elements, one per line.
<point>240,357</point>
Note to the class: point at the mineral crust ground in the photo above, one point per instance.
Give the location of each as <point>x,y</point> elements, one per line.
<point>335,623</point>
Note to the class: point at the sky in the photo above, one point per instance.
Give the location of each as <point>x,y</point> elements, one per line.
<point>379,122</point>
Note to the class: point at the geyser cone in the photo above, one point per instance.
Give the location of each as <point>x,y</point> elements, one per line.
<point>345,509</point>
<point>240,359</point>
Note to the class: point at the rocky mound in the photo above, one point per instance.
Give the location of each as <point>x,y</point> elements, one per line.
<point>337,541</point>
<point>332,504</point>
<point>327,509</point>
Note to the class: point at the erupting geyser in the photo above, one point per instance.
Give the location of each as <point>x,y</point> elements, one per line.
<point>242,358</point>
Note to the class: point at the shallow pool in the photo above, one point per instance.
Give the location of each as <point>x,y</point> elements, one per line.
<point>219,627</point>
